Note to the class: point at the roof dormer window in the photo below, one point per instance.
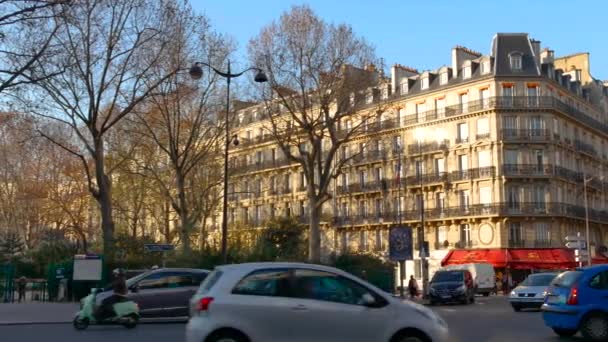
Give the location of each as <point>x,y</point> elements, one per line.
<point>425,83</point>
<point>404,87</point>
<point>485,67</point>
<point>369,97</point>
<point>443,78</point>
<point>466,72</point>
<point>515,61</point>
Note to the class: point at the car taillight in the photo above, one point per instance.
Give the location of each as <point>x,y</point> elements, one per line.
<point>203,303</point>
<point>573,297</point>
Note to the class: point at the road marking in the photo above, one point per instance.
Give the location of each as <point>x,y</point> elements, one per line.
<point>447,310</point>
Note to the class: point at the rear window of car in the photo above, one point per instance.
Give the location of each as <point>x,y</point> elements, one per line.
<point>566,279</point>
<point>538,280</point>
<point>210,281</point>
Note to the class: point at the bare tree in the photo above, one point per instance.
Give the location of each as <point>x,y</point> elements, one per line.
<point>26,20</point>
<point>315,69</point>
<point>110,51</point>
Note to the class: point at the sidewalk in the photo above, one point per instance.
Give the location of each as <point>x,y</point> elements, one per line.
<point>37,313</point>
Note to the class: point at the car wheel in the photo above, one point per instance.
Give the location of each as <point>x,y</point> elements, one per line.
<point>228,336</point>
<point>595,328</point>
<point>487,294</point>
<point>517,308</point>
<point>564,332</point>
<point>411,336</point>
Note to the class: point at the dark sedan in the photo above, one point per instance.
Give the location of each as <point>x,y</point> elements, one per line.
<point>164,292</point>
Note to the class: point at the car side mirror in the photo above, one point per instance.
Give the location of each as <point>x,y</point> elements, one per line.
<point>94,290</point>
<point>134,289</point>
<point>368,300</point>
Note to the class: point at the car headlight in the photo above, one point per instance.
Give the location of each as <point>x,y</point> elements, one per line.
<point>545,293</point>
<point>462,288</point>
<point>513,294</point>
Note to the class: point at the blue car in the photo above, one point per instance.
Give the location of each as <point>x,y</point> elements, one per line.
<point>578,301</point>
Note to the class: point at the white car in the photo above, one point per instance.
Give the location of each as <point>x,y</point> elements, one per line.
<point>531,292</point>
<point>295,302</point>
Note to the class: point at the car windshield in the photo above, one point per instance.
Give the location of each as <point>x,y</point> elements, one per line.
<point>441,277</point>
<point>538,280</point>
<point>566,279</point>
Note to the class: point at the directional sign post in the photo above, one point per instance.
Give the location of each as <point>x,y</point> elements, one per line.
<point>579,244</point>
<point>162,248</point>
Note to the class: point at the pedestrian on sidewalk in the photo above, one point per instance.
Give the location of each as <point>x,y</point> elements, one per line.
<point>412,287</point>
<point>21,284</point>
<point>507,283</point>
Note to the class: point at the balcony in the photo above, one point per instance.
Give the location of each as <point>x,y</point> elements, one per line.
<point>525,135</point>
<point>543,244</point>
<point>442,245</point>
<point>460,140</point>
<point>517,243</point>
<point>527,170</point>
<point>285,190</point>
<point>428,147</point>
<point>568,174</point>
<point>241,167</point>
<point>427,178</point>
<point>480,172</point>
<point>369,156</point>
<point>585,148</point>
<point>381,185</point>
<point>482,136</point>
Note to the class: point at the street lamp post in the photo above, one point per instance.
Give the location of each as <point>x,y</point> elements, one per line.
<point>419,136</point>
<point>587,237</point>
<point>196,72</point>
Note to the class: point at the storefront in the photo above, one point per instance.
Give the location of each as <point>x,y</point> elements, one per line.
<point>514,258</point>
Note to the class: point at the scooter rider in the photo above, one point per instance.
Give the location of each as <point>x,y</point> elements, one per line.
<point>120,291</point>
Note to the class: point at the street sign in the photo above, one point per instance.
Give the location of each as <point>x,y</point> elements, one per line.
<point>573,238</point>
<point>154,247</point>
<point>576,245</point>
<point>400,244</point>
<point>581,253</point>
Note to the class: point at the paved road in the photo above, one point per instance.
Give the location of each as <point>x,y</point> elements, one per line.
<point>490,319</point>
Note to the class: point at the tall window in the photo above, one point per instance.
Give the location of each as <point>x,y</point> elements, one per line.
<point>513,198</point>
<point>259,157</point>
<point>542,232</point>
<point>440,200</point>
<point>271,209</point>
<point>484,95</point>
<point>515,235</point>
<point>463,133</point>
<point>509,122</point>
<point>419,168</point>
<point>362,177</point>
<point>302,208</point>
<point>246,217</point>
<point>464,196</point>
<point>532,96</point>
<point>439,166</point>
<point>511,157</point>
<point>485,195</point>
<point>537,126</point>
<point>507,94</point>
<point>257,214</point>
<point>302,180</point>
<point>273,154</point>
<point>362,208</point>
<point>463,101</point>
<point>379,174</point>
<point>465,235</point>
<point>363,240</point>
<point>379,207</point>
<point>442,235</point>
<point>483,128</point>
<point>538,197</point>
<point>379,240</point>
<point>440,107</point>
<point>404,87</point>
<point>463,162</point>
<point>539,156</point>
<point>484,158</point>
<point>287,181</point>
<point>344,209</point>
<point>420,109</point>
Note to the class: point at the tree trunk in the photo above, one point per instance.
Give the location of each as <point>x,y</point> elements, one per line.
<point>184,217</point>
<point>314,236</point>
<point>104,198</point>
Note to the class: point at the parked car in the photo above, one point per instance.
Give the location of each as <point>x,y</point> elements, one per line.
<point>452,286</point>
<point>162,292</point>
<point>297,302</point>
<point>483,274</point>
<point>578,301</point>
<point>531,292</point>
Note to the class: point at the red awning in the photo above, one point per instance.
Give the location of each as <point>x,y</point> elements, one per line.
<point>599,259</point>
<point>524,258</point>
<point>497,257</point>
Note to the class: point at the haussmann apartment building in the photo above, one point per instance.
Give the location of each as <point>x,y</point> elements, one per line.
<point>495,148</point>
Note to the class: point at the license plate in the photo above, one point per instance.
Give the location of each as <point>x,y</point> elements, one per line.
<point>445,297</point>
<point>554,300</point>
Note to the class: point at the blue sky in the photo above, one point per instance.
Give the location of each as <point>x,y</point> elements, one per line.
<point>421,33</point>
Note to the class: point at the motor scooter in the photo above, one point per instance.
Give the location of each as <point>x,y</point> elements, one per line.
<point>126,313</point>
